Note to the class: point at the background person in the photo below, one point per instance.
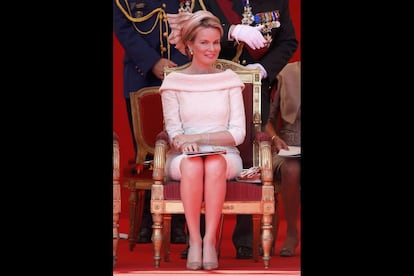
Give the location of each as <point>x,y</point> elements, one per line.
<point>284,125</point>
<point>143,35</point>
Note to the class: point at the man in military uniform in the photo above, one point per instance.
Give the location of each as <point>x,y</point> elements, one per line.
<point>138,28</point>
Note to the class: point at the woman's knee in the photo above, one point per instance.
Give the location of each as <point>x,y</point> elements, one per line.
<point>290,167</point>
<point>192,167</point>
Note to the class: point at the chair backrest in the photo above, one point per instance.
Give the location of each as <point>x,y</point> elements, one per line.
<point>252,103</point>
<point>147,119</point>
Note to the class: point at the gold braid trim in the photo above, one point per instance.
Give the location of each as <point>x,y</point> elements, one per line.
<point>238,52</point>
<point>161,16</point>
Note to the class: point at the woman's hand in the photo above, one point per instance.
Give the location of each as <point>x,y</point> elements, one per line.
<point>158,68</point>
<point>279,144</point>
<point>190,147</point>
<point>184,143</point>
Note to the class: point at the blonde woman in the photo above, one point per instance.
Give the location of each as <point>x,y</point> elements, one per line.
<point>203,110</point>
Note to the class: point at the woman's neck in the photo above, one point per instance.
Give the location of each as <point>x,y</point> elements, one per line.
<point>196,69</point>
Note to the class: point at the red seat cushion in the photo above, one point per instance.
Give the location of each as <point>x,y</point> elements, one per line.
<point>235,191</point>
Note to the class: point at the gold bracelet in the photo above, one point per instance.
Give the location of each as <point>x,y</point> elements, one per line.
<point>273,137</point>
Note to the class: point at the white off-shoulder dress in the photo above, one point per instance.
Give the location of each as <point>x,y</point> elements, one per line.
<point>204,103</point>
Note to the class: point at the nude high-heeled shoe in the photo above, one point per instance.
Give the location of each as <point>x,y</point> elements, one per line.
<point>210,260</point>
<point>193,265</point>
<point>192,262</point>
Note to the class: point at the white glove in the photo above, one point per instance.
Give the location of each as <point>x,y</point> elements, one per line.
<point>263,72</point>
<point>250,35</point>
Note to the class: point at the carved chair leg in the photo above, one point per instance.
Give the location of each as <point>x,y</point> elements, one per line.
<point>267,238</point>
<point>115,238</point>
<point>157,229</point>
<point>116,197</point>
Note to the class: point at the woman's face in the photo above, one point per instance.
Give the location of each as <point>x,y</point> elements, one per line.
<point>206,46</point>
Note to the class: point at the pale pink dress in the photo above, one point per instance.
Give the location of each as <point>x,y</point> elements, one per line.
<point>204,103</point>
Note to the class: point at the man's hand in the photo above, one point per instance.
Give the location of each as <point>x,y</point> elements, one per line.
<point>158,68</point>
<point>263,72</point>
<point>249,35</point>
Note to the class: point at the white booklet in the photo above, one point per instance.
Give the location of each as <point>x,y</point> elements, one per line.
<point>203,153</point>
<point>294,151</point>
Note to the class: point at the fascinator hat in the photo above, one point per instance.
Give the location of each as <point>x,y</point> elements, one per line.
<point>184,25</point>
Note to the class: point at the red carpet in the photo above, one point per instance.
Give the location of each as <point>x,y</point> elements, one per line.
<point>140,261</point>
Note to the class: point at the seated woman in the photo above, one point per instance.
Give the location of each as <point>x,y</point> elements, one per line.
<point>203,109</point>
<point>284,125</point>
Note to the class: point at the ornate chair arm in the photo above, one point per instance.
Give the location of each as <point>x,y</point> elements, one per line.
<point>161,148</point>
<point>265,156</point>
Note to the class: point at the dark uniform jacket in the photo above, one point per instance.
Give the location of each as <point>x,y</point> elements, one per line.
<point>282,47</point>
<point>142,51</point>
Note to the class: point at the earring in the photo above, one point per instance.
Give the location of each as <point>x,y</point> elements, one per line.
<point>191,51</point>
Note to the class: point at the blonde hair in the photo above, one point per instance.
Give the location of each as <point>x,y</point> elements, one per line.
<point>185,25</point>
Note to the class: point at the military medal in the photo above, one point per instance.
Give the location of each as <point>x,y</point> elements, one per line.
<point>185,6</point>
<point>188,6</point>
<point>270,20</point>
<point>248,17</point>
